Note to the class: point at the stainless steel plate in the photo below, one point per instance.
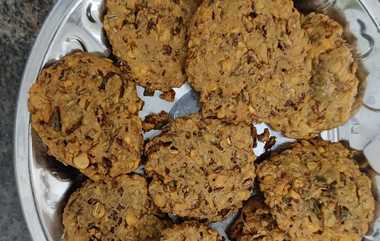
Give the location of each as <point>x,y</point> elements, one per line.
<point>44,184</point>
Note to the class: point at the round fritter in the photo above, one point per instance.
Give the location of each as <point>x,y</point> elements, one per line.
<point>256,223</point>
<point>190,231</point>
<point>120,210</point>
<point>86,112</point>
<point>201,168</point>
<point>334,84</point>
<point>317,192</point>
<point>151,37</point>
<point>241,52</point>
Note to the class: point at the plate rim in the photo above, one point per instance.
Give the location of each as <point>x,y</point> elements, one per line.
<point>21,130</point>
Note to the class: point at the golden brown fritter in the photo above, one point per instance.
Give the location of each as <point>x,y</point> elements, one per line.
<point>334,84</point>
<point>120,210</point>
<point>246,58</point>
<point>151,37</point>
<point>201,168</point>
<point>316,192</point>
<point>86,112</point>
<point>256,223</point>
<point>190,231</point>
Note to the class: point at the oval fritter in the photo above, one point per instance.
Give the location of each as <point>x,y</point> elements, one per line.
<point>334,83</point>
<point>86,112</point>
<point>317,192</point>
<point>201,168</point>
<point>190,231</point>
<point>256,223</point>
<point>151,37</point>
<point>247,59</point>
<point>120,210</point>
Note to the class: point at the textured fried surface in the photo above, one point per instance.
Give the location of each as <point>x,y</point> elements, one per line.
<point>151,36</point>
<point>334,83</point>
<point>156,121</point>
<point>256,223</point>
<point>190,231</point>
<point>247,59</point>
<point>86,112</point>
<point>120,210</point>
<point>317,192</point>
<point>201,168</point>
<point>262,61</point>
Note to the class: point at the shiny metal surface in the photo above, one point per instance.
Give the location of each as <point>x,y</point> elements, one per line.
<point>44,184</point>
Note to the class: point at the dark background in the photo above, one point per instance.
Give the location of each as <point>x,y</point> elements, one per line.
<point>20,21</point>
